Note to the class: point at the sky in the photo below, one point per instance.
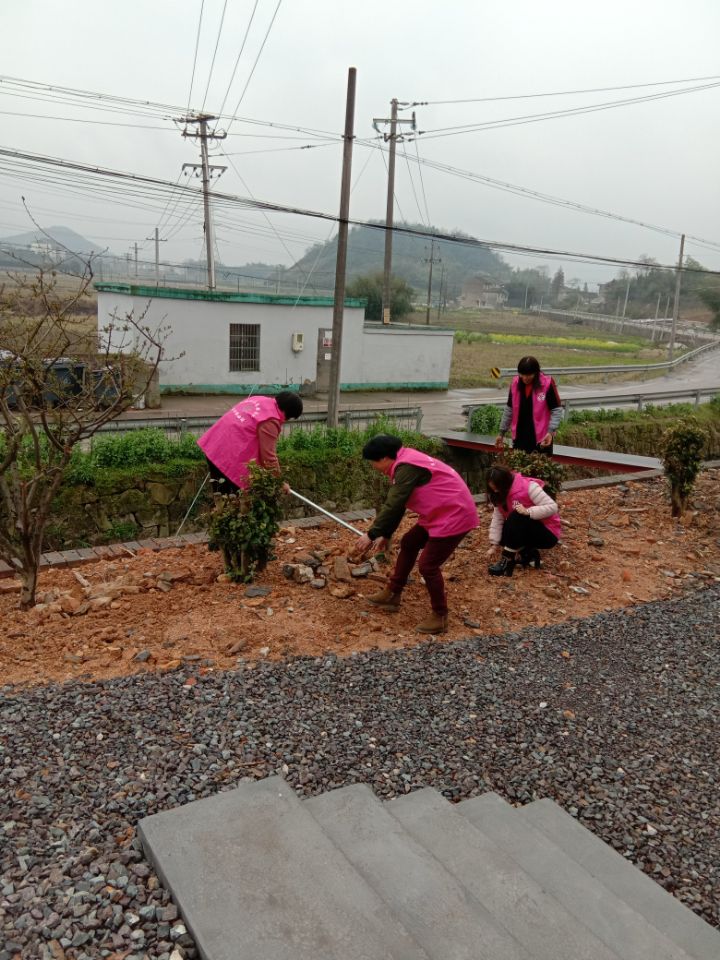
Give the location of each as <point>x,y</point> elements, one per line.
<point>655,161</point>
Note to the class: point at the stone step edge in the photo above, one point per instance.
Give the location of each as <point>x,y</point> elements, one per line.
<point>74,558</point>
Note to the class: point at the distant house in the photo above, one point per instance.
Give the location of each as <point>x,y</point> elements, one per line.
<point>483,292</point>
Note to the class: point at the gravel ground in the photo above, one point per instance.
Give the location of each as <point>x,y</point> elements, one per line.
<point>615,717</point>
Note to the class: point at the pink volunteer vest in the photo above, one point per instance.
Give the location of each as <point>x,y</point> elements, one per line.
<point>541,411</point>
<point>519,493</point>
<point>232,442</point>
<point>444,506</point>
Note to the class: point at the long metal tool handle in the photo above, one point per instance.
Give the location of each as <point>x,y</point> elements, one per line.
<point>326,512</point>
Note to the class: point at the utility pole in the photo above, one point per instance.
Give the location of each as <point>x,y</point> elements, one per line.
<point>341,262</point>
<point>655,323</point>
<point>205,170</point>
<point>392,138</point>
<point>441,296</point>
<point>431,261</point>
<point>158,241</point>
<point>676,303</point>
<point>136,258</point>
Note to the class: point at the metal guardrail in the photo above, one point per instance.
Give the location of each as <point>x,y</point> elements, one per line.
<point>661,325</point>
<point>621,367</point>
<point>638,400</point>
<point>353,419</point>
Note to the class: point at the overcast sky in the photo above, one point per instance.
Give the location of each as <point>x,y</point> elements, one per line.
<point>654,161</point>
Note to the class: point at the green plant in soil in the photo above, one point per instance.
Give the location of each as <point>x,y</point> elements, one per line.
<point>681,449</point>
<point>485,419</point>
<point>243,526</point>
<point>540,467</point>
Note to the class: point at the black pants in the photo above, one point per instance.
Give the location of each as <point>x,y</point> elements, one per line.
<point>520,531</point>
<point>219,482</point>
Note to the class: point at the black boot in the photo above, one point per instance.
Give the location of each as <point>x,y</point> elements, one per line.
<point>530,557</point>
<point>505,565</point>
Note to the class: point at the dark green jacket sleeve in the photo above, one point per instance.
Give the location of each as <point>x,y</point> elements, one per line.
<point>407,477</point>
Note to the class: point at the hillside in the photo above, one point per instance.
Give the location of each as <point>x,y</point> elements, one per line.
<point>63,237</point>
<point>366,248</point>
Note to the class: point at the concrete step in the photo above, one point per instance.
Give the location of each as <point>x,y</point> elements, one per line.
<point>638,890</point>
<point>520,904</point>
<point>256,878</point>
<point>438,911</point>
<point>623,930</point>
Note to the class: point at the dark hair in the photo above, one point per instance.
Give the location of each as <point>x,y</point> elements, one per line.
<point>529,365</point>
<point>290,404</point>
<point>502,478</point>
<point>382,445</point>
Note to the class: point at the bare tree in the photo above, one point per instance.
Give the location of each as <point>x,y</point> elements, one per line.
<point>58,387</point>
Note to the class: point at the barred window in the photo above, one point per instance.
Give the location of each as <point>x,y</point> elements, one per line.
<point>244,346</point>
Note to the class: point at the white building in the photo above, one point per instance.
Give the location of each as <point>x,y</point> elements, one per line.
<point>237,342</point>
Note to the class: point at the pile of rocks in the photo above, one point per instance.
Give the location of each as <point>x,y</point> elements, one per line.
<point>319,568</point>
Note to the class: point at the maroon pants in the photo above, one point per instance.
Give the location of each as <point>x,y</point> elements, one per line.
<point>435,551</point>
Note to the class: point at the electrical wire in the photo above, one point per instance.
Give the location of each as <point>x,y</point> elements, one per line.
<point>156,185</point>
<point>557,93</point>
<point>257,58</point>
<point>555,114</point>
<point>197,44</point>
<point>212,64</point>
<point>237,60</point>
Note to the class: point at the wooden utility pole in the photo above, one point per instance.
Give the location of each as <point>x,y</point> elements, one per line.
<point>392,138</point>
<point>676,303</point>
<point>341,262</point>
<point>205,170</point>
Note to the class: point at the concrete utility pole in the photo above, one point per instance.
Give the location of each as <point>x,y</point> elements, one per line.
<point>205,170</point>
<point>158,241</point>
<point>341,262</point>
<point>676,303</point>
<point>431,261</point>
<point>441,297</point>
<point>392,138</point>
<point>136,258</point>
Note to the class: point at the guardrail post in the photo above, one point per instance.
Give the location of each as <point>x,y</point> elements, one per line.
<point>697,398</point>
<point>418,419</point>
<point>183,426</point>
<point>347,419</point>
<point>640,404</point>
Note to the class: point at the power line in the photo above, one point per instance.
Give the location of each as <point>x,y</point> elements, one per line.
<point>257,58</point>
<point>557,93</point>
<point>435,134</point>
<point>422,182</point>
<point>197,44</point>
<point>156,184</point>
<point>538,195</point>
<point>240,53</point>
<point>212,65</point>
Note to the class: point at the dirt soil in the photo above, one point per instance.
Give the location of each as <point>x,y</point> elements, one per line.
<point>175,609</point>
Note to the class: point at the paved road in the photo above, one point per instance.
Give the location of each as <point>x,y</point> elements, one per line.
<point>442,410</point>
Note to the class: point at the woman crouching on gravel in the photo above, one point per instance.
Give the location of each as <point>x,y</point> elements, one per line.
<point>525,520</point>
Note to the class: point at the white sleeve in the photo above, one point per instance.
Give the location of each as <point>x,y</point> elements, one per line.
<point>496,526</point>
<point>544,506</point>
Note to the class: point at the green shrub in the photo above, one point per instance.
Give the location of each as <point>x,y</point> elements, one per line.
<point>485,419</point>
<point>540,467</point>
<point>243,526</point>
<point>681,448</point>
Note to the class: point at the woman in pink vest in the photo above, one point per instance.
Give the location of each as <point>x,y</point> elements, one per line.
<point>533,412</point>
<point>248,431</point>
<point>446,513</point>
<point>525,520</point>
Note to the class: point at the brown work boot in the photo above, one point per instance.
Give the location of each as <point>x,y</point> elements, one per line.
<point>385,599</point>
<point>435,623</point>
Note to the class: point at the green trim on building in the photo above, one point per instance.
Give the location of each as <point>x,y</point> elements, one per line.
<point>232,389</point>
<point>221,296</point>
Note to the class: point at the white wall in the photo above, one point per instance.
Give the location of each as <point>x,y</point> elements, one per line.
<point>372,355</point>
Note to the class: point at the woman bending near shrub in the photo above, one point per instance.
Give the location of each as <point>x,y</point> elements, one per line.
<point>525,520</point>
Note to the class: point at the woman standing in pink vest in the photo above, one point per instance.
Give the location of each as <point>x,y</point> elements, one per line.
<point>525,520</point>
<point>446,513</point>
<point>533,412</point>
<point>248,432</point>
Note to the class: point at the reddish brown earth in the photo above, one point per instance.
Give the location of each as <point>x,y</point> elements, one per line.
<point>171,608</point>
